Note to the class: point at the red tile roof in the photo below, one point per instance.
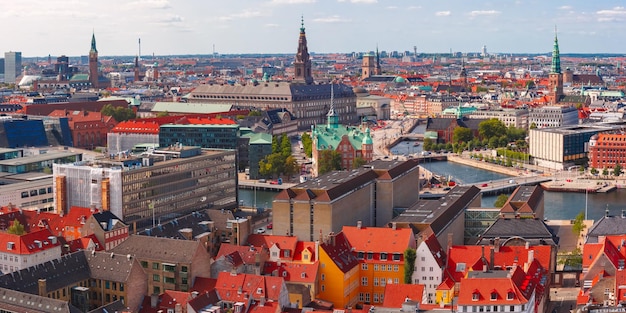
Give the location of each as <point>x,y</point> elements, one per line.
<point>30,243</point>
<point>288,243</point>
<point>247,254</point>
<point>292,272</point>
<point>339,250</point>
<point>236,288</point>
<point>379,239</point>
<point>396,294</point>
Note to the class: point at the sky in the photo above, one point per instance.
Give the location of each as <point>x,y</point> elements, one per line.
<point>172,27</point>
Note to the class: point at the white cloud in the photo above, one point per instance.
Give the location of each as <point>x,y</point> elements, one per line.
<point>331,19</point>
<point>443,13</point>
<point>292,1</point>
<point>359,1</point>
<point>148,4</point>
<point>483,13</point>
<point>565,7</point>
<point>244,14</point>
<point>271,25</point>
<point>612,15</point>
<point>391,7</point>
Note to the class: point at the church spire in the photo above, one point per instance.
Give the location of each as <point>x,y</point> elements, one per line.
<point>93,43</point>
<point>332,117</point>
<point>556,58</point>
<point>302,64</point>
<point>378,70</point>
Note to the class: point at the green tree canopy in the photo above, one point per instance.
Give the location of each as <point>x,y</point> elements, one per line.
<point>579,224</point>
<point>16,228</point>
<point>307,144</point>
<point>462,135</point>
<point>409,263</point>
<point>491,128</point>
<point>501,200</point>
<point>120,114</point>
<point>617,169</point>
<point>329,160</point>
<point>358,162</point>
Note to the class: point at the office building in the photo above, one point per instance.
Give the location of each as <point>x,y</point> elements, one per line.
<point>607,150</point>
<point>12,66</point>
<point>156,185</point>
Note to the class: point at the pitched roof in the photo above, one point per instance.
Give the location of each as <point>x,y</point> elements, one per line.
<point>339,250</point>
<point>292,272</point>
<point>236,287</point>
<point>396,294</point>
<point>245,254</point>
<point>379,239</point>
<point>30,243</point>
<point>533,230</point>
<point>16,301</point>
<point>282,242</point>
<point>155,248</point>
<point>607,225</point>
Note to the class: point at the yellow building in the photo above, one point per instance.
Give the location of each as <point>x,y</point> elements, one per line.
<point>338,272</point>
<point>380,252</point>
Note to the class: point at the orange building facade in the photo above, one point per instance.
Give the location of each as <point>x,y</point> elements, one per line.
<point>607,150</point>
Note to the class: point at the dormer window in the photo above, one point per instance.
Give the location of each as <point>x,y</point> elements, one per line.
<point>370,255</point>
<point>383,256</point>
<point>287,253</point>
<point>475,295</point>
<point>510,295</point>
<point>360,255</point>
<point>494,295</point>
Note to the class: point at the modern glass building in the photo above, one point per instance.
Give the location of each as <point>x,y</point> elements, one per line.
<point>201,135</point>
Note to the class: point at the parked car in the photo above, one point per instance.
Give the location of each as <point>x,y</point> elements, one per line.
<point>270,226</point>
<point>483,185</point>
<point>262,180</point>
<point>261,230</point>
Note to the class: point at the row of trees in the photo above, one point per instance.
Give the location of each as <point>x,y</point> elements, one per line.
<point>120,114</point>
<point>617,170</point>
<point>280,161</point>
<point>492,133</point>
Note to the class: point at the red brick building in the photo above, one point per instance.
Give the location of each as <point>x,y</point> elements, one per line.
<point>89,129</point>
<point>606,150</point>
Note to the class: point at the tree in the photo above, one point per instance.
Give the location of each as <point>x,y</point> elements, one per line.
<point>501,200</point>
<point>16,228</point>
<point>462,134</point>
<point>120,114</point>
<point>358,162</point>
<point>593,171</point>
<point>428,144</point>
<point>579,224</point>
<point>163,114</point>
<point>329,160</point>
<point>533,125</point>
<point>254,113</point>
<point>617,169</point>
<point>307,144</point>
<point>409,264</point>
<point>491,128</point>
<point>291,166</point>
<point>605,172</point>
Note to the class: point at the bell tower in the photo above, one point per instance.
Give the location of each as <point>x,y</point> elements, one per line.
<point>556,76</point>
<point>302,64</point>
<point>93,62</point>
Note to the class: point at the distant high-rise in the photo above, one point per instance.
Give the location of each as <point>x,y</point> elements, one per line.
<point>12,66</point>
<point>483,53</point>
<point>302,64</point>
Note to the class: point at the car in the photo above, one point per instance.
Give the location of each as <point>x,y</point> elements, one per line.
<point>270,226</point>
<point>483,185</point>
<point>262,180</point>
<point>261,230</point>
<point>446,189</point>
<point>273,182</point>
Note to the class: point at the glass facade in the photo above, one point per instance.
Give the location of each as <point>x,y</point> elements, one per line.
<point>204,136</point>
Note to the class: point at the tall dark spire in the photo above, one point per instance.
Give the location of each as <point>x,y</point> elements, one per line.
<point>556,58</point>
<point>302,64</point>
<point>378,69</point>
<point>93,43</point>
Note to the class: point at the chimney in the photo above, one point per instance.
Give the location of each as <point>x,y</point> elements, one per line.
<point>527,245</point>
<point>496,244</point>
<point>491,257</point>
<point>154,300</point>
<point>41,283</point>
<point>449,241</point>
<point>394,226</point>
<point>359,224</point>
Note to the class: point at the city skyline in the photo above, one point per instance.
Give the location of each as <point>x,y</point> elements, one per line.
<point>179,27</point>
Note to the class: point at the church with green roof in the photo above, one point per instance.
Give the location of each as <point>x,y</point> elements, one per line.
<point>351,142</point>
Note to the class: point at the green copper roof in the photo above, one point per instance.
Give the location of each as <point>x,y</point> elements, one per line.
<point>556,57</point>
<point>367,139</point>
<point>93,43</point>
<point>259,138</point>
<point>329,138</point>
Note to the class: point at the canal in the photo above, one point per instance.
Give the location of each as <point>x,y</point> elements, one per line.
<point>558,205</point>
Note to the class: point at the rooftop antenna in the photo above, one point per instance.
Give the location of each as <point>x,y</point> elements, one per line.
<point>139,55</point>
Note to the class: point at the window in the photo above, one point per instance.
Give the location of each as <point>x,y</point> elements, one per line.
<point>375,298</point>
<point>359,255</point>
<point>370,255</point>
<point>389,267</point>
<point>363,281</point>
<point>383,256</point>
<point>364,266</point>
<point>367,297</point>
<point>396,256</point>
<point>475,296</point>
<point>183,269</point>
<point>169,267</point>
<point>155,277</point>
<point>375,281</point>
<point>494,296</point>
<point>396,281</point>
<point>510,295</point>
<point>121,286</point>
<point>375,267</point>
<point>323,288</point>
<point>323,277</point>
<point>361,297</point>
<point>155,266</point>
<point>107,285</point>
<point>169,280</point>
<point>396,268</point>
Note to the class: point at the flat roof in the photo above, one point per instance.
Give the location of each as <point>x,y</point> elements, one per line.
<point>47,182</point>
<point>332,179</point>
<point>37,158</point>
<point>5,150</point>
